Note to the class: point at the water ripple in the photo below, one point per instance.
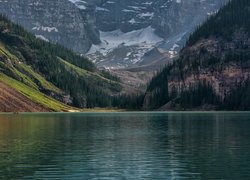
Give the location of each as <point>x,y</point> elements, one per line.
<point>125,146</point>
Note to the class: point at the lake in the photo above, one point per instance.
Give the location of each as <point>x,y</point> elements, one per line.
<point>125,146</point>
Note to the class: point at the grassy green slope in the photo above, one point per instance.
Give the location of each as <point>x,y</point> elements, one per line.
<point>34,95</point>
<point>22,72</point>
<point>23,79</point>
<point>52,70</point>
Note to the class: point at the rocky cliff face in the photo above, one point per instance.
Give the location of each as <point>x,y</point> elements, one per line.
<point>58,21</point>
<point>167,17</point>
<point>115,33</point>
<point>142,25</point>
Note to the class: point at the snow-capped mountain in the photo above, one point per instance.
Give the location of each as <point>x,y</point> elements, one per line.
<point>119,49</point>
<point>133,28</point>
<point>113,33</point>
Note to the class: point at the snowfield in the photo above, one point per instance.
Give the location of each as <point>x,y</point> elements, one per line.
<point>79,3</point>
<point>142,39</point>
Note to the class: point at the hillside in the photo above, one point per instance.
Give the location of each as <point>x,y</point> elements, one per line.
<point>213,69</point>
<point>14,101</point>
<point>48,75</point>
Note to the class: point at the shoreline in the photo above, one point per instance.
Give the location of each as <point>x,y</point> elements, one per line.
<point>94,111</point>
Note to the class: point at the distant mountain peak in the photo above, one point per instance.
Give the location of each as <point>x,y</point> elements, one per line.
<point>80,24</point>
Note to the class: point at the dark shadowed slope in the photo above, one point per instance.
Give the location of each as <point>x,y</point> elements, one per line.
<point>213,69</point>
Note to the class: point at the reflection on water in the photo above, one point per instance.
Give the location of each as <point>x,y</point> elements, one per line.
<point>125,146</point>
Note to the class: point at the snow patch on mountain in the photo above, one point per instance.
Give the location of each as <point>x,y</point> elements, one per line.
<point>111,40</point>
<point>119,49</point>
<point>79,3</point>
<point>101,9</point>
<point>148,14</point>
<point>42,38</point>
<point>47,29</point>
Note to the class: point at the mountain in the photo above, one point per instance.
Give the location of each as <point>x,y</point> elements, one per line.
<point>133,29</point>
<point>57,21</point>
<point>213,70</point>
<point>117,33</point>
<point>36,75</point>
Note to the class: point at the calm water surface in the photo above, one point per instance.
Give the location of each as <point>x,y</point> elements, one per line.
<point>125,146</point>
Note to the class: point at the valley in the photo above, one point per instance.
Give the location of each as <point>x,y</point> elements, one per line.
<point>70,55</point>
<point>124,89</point>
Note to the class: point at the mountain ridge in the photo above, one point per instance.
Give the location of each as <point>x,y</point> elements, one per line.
<point>78,24</point>
<point>211,69</point>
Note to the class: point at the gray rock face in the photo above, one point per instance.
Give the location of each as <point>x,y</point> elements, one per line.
<point>115,33</point>
<point>58,21</point>
<point>168,17</point>
<point>171,20</point>
<point>176,16</point>
<point>124,15</point>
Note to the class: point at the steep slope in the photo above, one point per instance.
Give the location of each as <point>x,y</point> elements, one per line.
<point>18,97</point>
<point>213,69</point>
<point>13,101</point>
<point>43,72</point>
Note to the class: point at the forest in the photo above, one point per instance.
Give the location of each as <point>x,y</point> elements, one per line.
<point>229,32</point>
<point>75,75</point>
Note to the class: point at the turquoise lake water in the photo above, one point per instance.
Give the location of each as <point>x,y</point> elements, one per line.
<point>125,146</point>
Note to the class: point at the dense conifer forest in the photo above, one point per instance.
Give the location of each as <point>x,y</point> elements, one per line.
<point>229,32</point>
